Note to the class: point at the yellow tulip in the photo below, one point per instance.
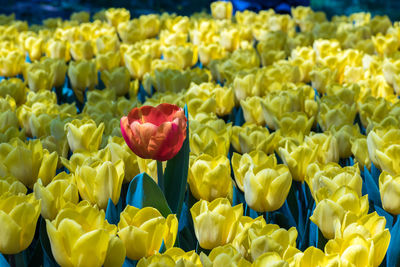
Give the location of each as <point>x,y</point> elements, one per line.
<point>372,228</point>
<point>209,177</point>
<point>215,222</point>
<point>267,189</point>
<point>81,230</point>
<point>34,46</point>
<point>245,87</point>
<point>335,113</point>
<point>354,250</point>
<point>297,157</point>
<point>115,16</point>
<point>55,195</point>
<point>294,124</point>
<point>107,43</point>
<point>385,44</point>
<point>143,231</point>
<point>221,10</point>
<point>250,137</point>
<point>81,17</point>
<point>183,258</point>
<point>100,181</point>
<point>58,69</point>
<point>252,110</point>
<point>209,52</point>
<point>57,49</point>
<point>11,62</point>
<point>81,50</point>
<point>130,31</point>
<point>18,218</point>
<point>359,148</point>
<point>225,255</point>
<point>8,119</point>
<point>183,56</point>
<point>108,61</point>
<point>389,188</point>
<point>11,185</point>
<point>325,145</point>
<point>137,63</point>
<point>117,79</point>
<point>344,136</point>
<point>15,88</point>
<point>212,138</point>
<point>39,77</point>
<point>257,160</point>
<point>322,77</point>
<point>324,179</point>
<point>83,75</point>
<point>270,259</point>
<point>260,238</point>
<point>313,256</point>
<point>84,135</point>
<point>157,260</point>
<point>36,161</point>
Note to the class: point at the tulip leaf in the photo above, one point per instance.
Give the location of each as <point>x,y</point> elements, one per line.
<point>48,259</point>
<point>372,188</point>
<point>144,192</point>
<point>393,252</point>
<point>176,172</point>
<point>3,261</point>
<point>112,211</point>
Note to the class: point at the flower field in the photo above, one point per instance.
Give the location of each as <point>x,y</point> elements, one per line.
<point>220,139</point>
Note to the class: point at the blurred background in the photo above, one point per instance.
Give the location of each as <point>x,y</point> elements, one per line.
<point>34,11</point>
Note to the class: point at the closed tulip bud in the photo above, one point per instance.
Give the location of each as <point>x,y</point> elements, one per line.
<point>230,39</point>
<point>257,160</point>
<point>39,77</point>
<point>34,45</point>
<point>297,157</point>
<point>325,145</point>
<point>252,110</point>
<point>8,119</point>
<point>37,162</point>
<point>84,135</point>
<point>58,69</point>
<point>146,228</point>
<point>57,49</point>
<point>11,62</point>
<point>225,255</point>
<point>88,233</point>
<point>107,43</point>
<point>18,218</point>
<point>55,195</point>
<point>115,16</point>
<point>325,179</point>
<point>344,136</point>
<point>183,56</point>
<point>100,181</point>
<point>335,113</point>
<point>245,87</point>
<point>267,189</point>
<point>117,79</point>
<point>137,63</point>
<point>389,187</point>
<point>225,100</point>
<point>250,137</point>
<point>221,10</point>
<point>108,61</point>
<point>372,228</point>
<point>295,125</point>
<point>15,88</point>
<point>83,75</point>
<point>209,52</point>
<point>210,177</point>
<point>215,222</point>
<point>12,185</point>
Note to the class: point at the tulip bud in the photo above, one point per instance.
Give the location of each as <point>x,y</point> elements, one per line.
<point>117,15</point>
<point>12,185</point>
<point>210,177</point>
<point>34,47</point>
<point>88,233</point>
<point>252,110</point>
<point>147,228</point>
<point>389,187</point>
<point>221,10</point>
<point>11,62</point>
<point>224,255</point>
<point>15,88</point>
<point>58,69</point>
<point>250,137</point>
<point>39,77</point>
<point>84,135</point>
<point>183,56</point>
<point>137,63</point>
<point>117,79</point>
<point>325,145</point>
<point>83,75</point>
<point>18,217</point>
<point>215,222</point>
<point>108,61</point>
<point>57,49</point>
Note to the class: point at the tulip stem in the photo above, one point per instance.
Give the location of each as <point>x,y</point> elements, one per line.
<point>160,175</point>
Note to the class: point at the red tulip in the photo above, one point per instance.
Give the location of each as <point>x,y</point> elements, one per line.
<point>155,132</point>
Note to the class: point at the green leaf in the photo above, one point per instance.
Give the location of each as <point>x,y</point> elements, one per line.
<point>144,192</point>
<point>176,173</point>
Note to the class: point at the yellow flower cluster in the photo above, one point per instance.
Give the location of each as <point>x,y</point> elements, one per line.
<point>273,101</point>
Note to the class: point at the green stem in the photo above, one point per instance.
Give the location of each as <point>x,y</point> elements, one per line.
<point>160,175</point>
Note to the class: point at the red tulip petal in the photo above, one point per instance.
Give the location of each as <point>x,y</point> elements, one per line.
<point>126,132</point>
<point>170,111</point>
<point>172,138</point>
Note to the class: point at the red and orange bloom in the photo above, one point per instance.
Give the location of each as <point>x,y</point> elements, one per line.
<point>155,132</point>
